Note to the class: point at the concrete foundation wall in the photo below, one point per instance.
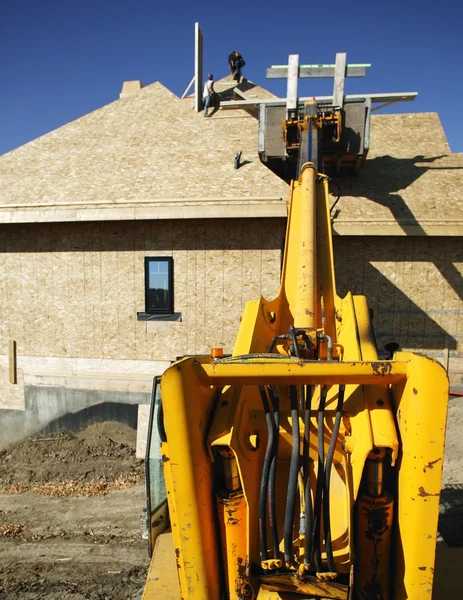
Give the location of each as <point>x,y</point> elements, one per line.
<point>54,393</point>
<point>50,409</point>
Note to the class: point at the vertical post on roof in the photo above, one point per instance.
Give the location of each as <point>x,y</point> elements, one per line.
<point>198,68</point>
<point>293,75</point>
<point>339,78</point>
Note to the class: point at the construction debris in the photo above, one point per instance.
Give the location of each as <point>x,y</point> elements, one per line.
<point>73,488</point>
<point>13,530</point>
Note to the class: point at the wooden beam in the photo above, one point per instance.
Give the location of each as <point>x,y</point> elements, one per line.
<point>385,105</point>
<point>241,94</point>
<point>375,98</point>
<point>314,71</point>
<point>293,71</point>
<point>366,133</point>
<point>339,79</point>
<point>13,371</point>
<point>198,68</point>
<point>261,131</point>
<point>188,88</point>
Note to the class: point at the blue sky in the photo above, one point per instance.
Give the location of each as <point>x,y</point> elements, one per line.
<point>61,59</point>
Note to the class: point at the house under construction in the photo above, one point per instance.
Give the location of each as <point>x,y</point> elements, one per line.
<point>145,189</point>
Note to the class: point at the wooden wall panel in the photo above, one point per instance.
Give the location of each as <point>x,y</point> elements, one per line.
<point>414,286</point>
<point>75,290</point>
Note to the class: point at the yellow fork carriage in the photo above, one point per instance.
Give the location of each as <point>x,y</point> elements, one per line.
<point>302,466</point>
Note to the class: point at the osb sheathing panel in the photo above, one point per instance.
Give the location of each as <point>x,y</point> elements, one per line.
<point>410,177</point>
<point>147,146</point>
<point>414,286</point>
<point>151,148</point>
<point>74,290</point>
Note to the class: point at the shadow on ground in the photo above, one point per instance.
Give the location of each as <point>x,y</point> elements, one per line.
<point>449,550</point>
<point>447,573</point>
<point>451,515</point>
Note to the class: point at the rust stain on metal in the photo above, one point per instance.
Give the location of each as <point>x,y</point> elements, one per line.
<point>431,464</point>
<point>177,558</point>
<point>232,521</point>
<point>377,525</point>
<point>242,588</point>
<point>423,493</point>
<point>381,368</point>
<point>231,510</point>
<point>373,589</point>
<point>377,522</point>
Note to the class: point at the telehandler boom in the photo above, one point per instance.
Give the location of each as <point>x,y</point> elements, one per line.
<point>301,466</point>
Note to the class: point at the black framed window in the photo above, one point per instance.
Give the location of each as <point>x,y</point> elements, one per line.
<point>159,284</point>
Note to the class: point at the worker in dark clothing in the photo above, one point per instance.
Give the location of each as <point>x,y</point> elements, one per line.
<point>236,63</point>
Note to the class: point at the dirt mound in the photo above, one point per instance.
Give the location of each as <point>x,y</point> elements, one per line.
<point>103,452</point>
<point>109,431</point>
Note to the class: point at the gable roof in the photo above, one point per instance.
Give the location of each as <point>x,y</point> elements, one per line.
<point>150,155</point>
<point>147,149</point>
<point>411,185</point>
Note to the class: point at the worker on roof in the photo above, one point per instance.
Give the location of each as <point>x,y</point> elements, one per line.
<point>236,63</point>
<point>207,94</point>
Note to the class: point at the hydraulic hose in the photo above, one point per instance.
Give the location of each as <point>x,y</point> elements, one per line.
<point>326,494</point>
<point>320,481</point>
<point>292,333</point>
<point>272,483</point>
<point>308,496</point>
<point>265,476</point>
<point>273,343</point>
<point>300,487</point>
<point>292,481</point>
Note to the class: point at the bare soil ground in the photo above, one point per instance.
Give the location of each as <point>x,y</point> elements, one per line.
<point>70,509</point>
<point>102,452</point>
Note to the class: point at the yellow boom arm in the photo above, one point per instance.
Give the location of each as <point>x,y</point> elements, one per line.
<point>302,466</point>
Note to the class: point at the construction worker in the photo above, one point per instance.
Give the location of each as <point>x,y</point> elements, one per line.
<point>236,63</point>
<point>207,93</point>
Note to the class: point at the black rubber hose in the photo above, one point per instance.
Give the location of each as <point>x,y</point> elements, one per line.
<point>339,194</point>
<point>326,494</point>
<point>320,482</point>
<point>274,341</point>
<point>308,496</point>
<point>292,333</point>
<point>272,482</point>
<point>265,476</point>
<point>292,481</point>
